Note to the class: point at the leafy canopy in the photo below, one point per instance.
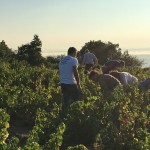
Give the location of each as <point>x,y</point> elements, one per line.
<point>108,51</point>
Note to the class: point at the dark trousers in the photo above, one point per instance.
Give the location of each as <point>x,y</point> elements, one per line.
<point>70,93</point>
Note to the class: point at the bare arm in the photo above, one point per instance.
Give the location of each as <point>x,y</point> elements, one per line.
<point>76,75</point>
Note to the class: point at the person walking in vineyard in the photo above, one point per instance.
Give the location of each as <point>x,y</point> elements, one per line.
<point>89,60</point>
<point>107,82</point>
<point>69,77</point>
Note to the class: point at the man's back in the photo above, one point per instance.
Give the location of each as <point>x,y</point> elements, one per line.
<point>66,70</point>
<point>127,78</point>
<point>108,82</point>
<point>89,58</point>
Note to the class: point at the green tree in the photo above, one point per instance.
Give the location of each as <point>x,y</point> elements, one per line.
<point>31,51</point>
<point>108,51</point>
<point>5,52</point>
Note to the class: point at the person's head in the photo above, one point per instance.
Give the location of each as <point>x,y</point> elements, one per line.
<point>94,75</point>
<point>118,65</point>
<point>116,74</point>
<point>72,51</point>
<point>86,51</point>
<point>111,65</point>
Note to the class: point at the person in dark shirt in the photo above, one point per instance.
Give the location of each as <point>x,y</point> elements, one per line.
<point>107,82</point>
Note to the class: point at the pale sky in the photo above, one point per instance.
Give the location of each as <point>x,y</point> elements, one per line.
<point>64,23</point>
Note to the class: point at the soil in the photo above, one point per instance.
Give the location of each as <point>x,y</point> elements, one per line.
<point>19,129</point>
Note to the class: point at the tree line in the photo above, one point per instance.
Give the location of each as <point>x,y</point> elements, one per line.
<point>32,53</point>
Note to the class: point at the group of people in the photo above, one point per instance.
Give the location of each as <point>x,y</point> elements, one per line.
<point>109,78</point>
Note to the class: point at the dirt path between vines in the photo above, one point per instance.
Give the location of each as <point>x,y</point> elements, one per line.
<point>19,129</point>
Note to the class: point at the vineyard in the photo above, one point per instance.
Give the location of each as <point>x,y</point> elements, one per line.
<point>31,116</point>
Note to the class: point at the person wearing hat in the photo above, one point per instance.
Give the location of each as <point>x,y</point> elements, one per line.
<point>112,65</point>
<point>89,60</point>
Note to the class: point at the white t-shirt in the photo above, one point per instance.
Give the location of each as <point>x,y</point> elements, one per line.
<point>66,70</point>
<point>127,78</point>
<point>89,58</point>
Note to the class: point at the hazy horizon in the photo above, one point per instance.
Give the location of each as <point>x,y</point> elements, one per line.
<point>131,51</point>
<point>64,23</point>
<point>140,54</point>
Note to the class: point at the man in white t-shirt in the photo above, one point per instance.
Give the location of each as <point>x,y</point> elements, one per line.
<point>124,77</point>
<point>89,60</point>
<point>69,77</point>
